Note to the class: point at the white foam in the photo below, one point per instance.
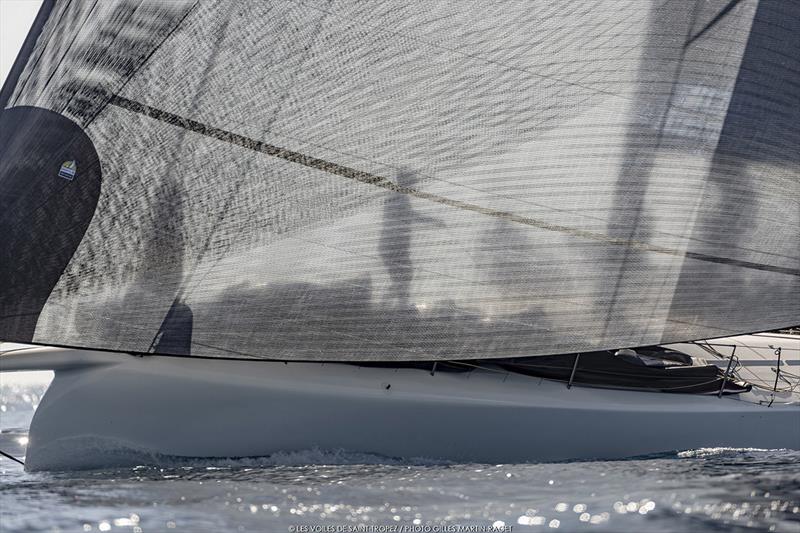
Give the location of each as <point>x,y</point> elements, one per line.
<point>709,452</point>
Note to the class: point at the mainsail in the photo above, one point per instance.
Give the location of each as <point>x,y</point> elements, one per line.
<point>343,180</point>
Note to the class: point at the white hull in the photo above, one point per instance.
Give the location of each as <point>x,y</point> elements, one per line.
<point>111,410</point>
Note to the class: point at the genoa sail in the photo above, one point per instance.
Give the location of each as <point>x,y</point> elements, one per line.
<point>366,181</point>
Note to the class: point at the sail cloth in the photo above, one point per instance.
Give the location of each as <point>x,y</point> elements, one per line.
<point>346,180</point>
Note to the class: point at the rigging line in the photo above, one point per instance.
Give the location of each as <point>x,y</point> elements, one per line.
<point>713,22</point>
<point>4,454</point>
<point>144,61</point>
<point>180,22</point>
<point>708,347</point>
<point>486,192</point>
<point>478,366</point>
<point>384,183</point>
<point>185,290</point>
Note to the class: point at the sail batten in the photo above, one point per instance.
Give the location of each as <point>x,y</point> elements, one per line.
<point>353,181</point>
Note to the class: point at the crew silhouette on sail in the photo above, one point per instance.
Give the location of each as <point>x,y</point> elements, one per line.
<point>400,220</point>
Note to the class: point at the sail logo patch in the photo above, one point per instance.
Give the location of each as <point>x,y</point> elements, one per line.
<point>68,170</point>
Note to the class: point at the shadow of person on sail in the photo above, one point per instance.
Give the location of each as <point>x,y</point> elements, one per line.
<point>400,220</point>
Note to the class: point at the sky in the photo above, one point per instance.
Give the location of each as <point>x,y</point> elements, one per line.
<point>16,17</point>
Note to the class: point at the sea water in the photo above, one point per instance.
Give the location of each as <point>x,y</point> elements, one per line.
<point>336,491</point>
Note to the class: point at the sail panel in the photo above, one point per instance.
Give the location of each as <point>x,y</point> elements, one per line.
<point>353,181</point>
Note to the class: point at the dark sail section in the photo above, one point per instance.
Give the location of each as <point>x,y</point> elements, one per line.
<point>49,185</point>
<point>371,181</point>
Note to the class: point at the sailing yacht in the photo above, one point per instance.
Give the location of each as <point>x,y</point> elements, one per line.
<point>470,231</point>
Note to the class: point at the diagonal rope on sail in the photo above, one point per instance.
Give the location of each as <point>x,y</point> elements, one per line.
<point>385,183</point>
